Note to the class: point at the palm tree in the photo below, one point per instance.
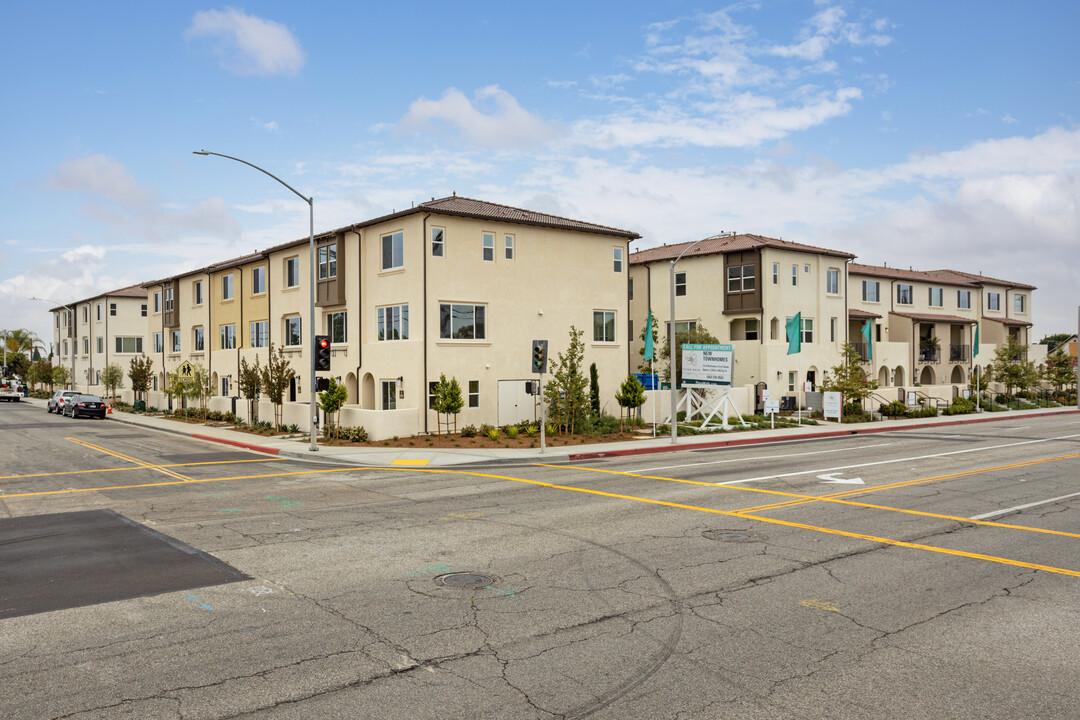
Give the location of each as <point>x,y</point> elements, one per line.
<point>20,340</point>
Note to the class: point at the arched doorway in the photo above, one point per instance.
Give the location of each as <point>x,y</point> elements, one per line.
<point>957,376</point>
<point>883,376</point>
<point>367,398</point>
<point>926,377</point>
<point>350,385</point>
<point>774,329</point>
<point>898,376</point>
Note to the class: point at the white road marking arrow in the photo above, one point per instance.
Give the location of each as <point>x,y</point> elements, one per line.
<point>831,478</point>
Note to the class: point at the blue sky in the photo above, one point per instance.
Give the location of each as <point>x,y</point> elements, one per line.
<point>917,133</point>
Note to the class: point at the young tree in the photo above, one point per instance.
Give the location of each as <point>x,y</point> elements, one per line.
<point>848,378</point>
<point>112,377</point>
<point>698,335</point>
<point>250,381</point>
<point>594,391</point>
<point>630,397</point>
<point>139,372</point>
<point>39,373</point>
<point>199,387</point>
<point>331,400</point>
<point>565,391</point>
<point>1060,370</point>
<point>177,387</point>
<point>1010,368</point>
<point>275,379</point>
<point>448,400</point>
<point>61,375</point>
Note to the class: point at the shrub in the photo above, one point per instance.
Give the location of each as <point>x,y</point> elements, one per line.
<point>893,409</point>
<point>468,431</point>
<point>853,409</point>
<point>532,431</point>
<point>551,429</point>
<point>493,433</point>
<point>606,424</point>
<point>213,415</point>
<point>511,431</point>
<point>294,428</point>
<point>353,434</point>
<point>960,406</point>
<point>229,417</point>
<point>486,429</point>
<point>922,412</point>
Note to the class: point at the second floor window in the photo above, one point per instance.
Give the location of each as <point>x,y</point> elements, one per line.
<point>227,287</point>
<point>157,302</point>
<point>489,247</point>
<point>832,281</point>
<point>775,273</point>
<point>1018,303</point>
<point>438,242</point>
<point>199,340</point>
<point>168,299</point>
<point>293,337</point>
<point>741,278</point>
<point>936,297</point>
<point>509,240</point>
<point>258,280</point>
<point>617,259</point>
<point>327,262</point>
<point>794,274</point>
<point>393,250</point>
<point>99,311</point>
<point>228,337</point>
<point>260,333</point>
<point>159,342</point>
<point>680,284</point>
<point>292,272</point>
<point>393,322</point>
<point>603,326</point>
<point>993,301</point>
<point>462,322</point>
<point>176,341</point>
<point>870,289</point>
<point>142,311</point>
<point>905,294</point>
<point>963,299</point>
<point>112,309</point>
<point>335,326</point>
<point>134,344</point>
<point>197,287</point>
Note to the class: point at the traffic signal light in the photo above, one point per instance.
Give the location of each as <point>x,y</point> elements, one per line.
<point>539,356</point>
<point>322,352</point>
<point>322,384</point>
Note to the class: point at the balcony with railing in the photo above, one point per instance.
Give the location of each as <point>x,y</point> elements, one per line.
<point>863,349</point>
<point>929,354</point>
<point>959,353</point>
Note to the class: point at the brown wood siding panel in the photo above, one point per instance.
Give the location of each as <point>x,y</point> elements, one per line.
<point>171,318</point>
<point>742,302</point>
<point>331,291</point>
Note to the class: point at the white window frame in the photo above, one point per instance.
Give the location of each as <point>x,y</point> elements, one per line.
<point>755,332</point>
<point>258,280</point>
<point>135,345</point>
<point>508,245</point>
<point>487,241</point>
<point>112,309</point>
<point>808,330</point>
<point>327,258</point>
<point>794,275</point>
<point>607,324</point>
<point>680,284</point>
<point>227,287</point>
<point>289,334</point>
<point>259,333</point>
<point>100,344</point>
<point>395,242</point>
<point>832,281</point>
<point>993,301</point>
<point>1018,303</point>
<point>143,311</point>
<point>474,393</point>
<point>197,292</point>
<point>438,242</point>
<point>157,302</point>
<point>344,327</point>
<point>832,330</point>
<point>963,299</point>
<point>175,341</point>
<point>227,336</point>
<point>198,339</point>
<point>900,294</point>
<point>866,286</point>
<point>776,273</point>
<point>451,308</point>
<point>169,300</point>
<point>939,294</point>
<point>292,271</point>
<point>391,317</point>
<point>159,343</point>
<point>617,259</point>
<point>389,394</point>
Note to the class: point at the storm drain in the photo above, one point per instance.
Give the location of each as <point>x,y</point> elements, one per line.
<point>465,580</point>
<point>733,536</point>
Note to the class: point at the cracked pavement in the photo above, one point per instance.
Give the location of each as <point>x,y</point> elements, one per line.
<point>598,606</point>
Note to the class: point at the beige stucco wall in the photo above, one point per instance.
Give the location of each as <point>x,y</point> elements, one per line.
<point>128,322</point>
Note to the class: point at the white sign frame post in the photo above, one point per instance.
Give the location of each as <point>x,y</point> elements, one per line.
<point>707,365</point>
<point>832,405</point>
<point>771,408</point>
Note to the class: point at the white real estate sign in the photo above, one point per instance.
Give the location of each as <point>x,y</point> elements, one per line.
<point>832,405</point>
<point>707,364</point>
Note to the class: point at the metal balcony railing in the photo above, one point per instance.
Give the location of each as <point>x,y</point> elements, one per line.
<point>864,351</point>
<point>929,354</point>
<point>959,353</point>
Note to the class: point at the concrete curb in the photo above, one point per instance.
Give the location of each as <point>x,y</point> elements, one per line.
<point>239,444</point>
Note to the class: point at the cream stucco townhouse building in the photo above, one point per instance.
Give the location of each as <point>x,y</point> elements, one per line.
<point>109,328</point>
<point>924,322</point>
<point>455,285</point>
<point>744,288</point>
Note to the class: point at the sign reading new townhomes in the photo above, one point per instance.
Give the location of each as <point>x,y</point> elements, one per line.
<point>707,364</point>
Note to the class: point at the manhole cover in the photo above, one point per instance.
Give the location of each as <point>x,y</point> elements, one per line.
<point>732,536</point>
<point>465,580</point>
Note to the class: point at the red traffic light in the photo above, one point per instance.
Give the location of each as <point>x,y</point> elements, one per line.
<point>324,343</point>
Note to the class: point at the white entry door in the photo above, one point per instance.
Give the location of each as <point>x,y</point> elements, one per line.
<point>515,404</point>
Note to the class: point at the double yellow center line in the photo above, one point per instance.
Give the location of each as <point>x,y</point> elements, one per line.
<point>128,458</point>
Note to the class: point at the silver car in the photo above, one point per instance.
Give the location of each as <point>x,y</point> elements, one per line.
<point>56,402</point>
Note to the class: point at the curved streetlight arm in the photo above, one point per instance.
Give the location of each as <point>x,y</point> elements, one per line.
<point>308,200</point>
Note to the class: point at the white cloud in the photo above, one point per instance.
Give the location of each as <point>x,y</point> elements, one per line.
<point>505,124</point>
<point>100,175</point>
<point>1009,120</point>
<point>270,127</point>
<point>248,45</point>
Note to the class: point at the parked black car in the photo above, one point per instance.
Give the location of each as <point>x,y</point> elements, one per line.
<point>56,402</point>
<point>88,405</point>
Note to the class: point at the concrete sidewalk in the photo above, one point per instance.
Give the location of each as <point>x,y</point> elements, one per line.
<point>442,457</point>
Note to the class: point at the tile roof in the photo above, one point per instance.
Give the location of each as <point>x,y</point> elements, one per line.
<point>1008,322</point>
<point>725,243</point>
<point>941,277</point>
<point>133,291</point>
<point>929,317</point>
<point>981,279</point>
<point>861,314</point>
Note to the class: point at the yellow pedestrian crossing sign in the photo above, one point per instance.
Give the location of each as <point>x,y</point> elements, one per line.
<point>186,370</point>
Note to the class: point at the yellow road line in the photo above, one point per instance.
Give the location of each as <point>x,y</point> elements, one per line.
<point>837,501</point>
<point>767,520</point>
<point>906,483</point>
<point>144,467</point>
<point>410,461</point>
<point>130,459</point>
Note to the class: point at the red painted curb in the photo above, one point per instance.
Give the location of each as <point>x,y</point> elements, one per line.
<point>237,443</point>
<point>813,436</point>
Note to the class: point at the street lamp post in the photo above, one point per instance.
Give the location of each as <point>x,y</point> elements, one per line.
<point>74,335</point>
<point>313,418</point>
<point>671,345</point>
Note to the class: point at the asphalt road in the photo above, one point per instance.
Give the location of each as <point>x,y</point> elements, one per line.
<point>914,574</point>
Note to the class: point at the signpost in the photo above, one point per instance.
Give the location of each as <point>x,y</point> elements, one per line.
<point>833,405</point>
<point>707,366</point>
<point>772,407</point>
